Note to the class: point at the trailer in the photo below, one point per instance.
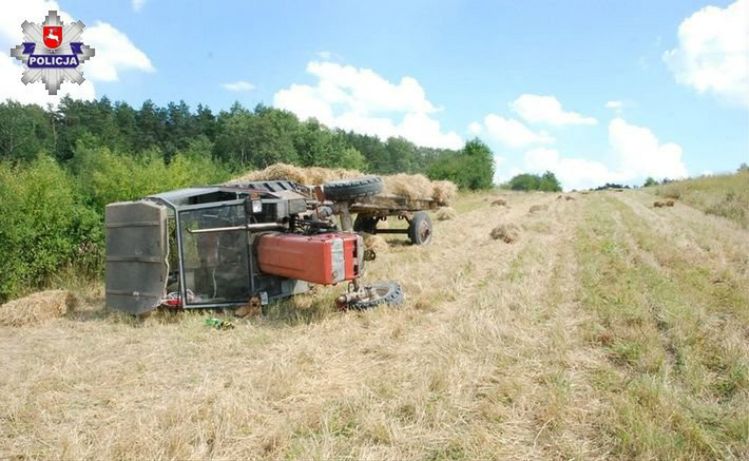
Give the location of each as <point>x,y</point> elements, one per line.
<point>372,207</point>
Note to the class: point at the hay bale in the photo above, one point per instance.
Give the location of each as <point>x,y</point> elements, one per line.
<point>537,208</point>
<point>670,203</point>
<point>508,233</point>
<point>658,204</point>
<point>37,308</point>
<point>446,214</point>
<point>444,192</point>
<point>499,202</point>
<point>317,176</point>
<point>413,186</point>
<point>375,243</point>
<point>313,176</point>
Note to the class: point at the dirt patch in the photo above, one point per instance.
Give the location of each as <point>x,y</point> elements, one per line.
<point>508,233</point>
<point>37,308</point>
<point>446,214</point>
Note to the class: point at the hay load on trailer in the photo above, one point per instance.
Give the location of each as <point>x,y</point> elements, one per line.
<point>373,199</point>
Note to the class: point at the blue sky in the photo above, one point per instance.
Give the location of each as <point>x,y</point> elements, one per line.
<point>675,74</point>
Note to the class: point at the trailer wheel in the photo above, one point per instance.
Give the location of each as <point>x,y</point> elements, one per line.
<point>385,293</point>
<point>365,223</point>
<point>349,189</point>
<point>420,228</point>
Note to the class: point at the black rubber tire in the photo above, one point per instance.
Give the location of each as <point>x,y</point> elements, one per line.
<point>393,295</point>
<point>349,189</point>
<point>420,228</point>
<point>366,224</point>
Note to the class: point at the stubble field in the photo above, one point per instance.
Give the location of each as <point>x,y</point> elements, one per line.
<point>608,330</point>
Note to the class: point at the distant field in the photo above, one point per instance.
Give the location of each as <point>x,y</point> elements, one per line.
<point>723,195</point>
<point>609,330</point>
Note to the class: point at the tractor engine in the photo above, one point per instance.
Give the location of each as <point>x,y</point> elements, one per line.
<point>324,259</point>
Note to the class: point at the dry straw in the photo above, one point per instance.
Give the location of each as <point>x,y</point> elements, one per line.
<point>415,186</point>
<point>37,308</point>
<point>508,233</point>
<point>538,208</point>
<point>375,243</point>
<point>446,214</point>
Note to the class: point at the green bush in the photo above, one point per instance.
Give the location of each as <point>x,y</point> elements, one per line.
<point>44,227</point>
<point>547,182</point>
<point>107,177</point>
<point>472,168</point>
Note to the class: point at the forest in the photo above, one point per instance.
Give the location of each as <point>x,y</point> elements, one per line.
<point>60,166</point>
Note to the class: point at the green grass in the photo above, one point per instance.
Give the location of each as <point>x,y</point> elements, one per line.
<point>724,195</point>
<point>676,385</point>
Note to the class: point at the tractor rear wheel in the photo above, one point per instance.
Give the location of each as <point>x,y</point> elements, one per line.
<point>420,228</point>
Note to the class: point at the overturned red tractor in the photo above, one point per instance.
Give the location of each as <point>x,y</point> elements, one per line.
<point>249,243</point>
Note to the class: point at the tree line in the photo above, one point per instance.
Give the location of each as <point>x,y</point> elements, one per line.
<point>60,167</point>
<point>239,138</point>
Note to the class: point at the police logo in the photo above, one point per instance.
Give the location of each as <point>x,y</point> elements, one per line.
<point>51,52</point>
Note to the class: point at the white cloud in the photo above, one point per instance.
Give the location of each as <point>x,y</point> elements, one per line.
<point>239,85</point>
<point>475,128</point>
<point>615,105</point>
<point>535,108</point>
<point>12,88</point>
<point>512,133</point>
<point>713,52</point>
<point>14,13</point>
<point>573,173</point>
<point>638,154</point>
<point>114,53</point>
<point>138,4</point>
<point>361,100</point>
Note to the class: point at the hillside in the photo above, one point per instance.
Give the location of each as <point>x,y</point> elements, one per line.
<point>721,195</point>
<point>608,330</point>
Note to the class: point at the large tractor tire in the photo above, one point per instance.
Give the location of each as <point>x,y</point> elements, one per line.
<point>420,228</point>
<point>350,189</point>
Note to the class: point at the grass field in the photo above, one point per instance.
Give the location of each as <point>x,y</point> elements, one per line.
<point>608,330</point>
<point>722,195</point>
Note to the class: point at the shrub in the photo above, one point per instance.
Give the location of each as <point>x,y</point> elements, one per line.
<point>547,182</point>
<point>43,225</point>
